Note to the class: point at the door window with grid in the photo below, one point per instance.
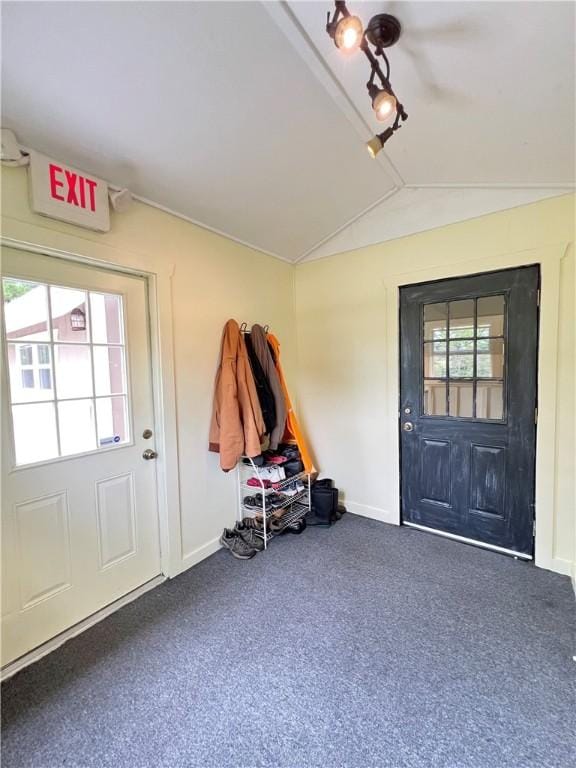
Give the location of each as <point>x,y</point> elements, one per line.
<point>66,356</point>
<point>463,355</point>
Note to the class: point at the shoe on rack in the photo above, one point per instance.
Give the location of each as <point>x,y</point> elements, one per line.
<point>255,482</point>
<point>289,450</point>
<point>275,500</point>
<point>253,522</point>
<point>292,488</point>
<point>297,527</point>
<point>236,545</point>
<point>293,467</point>
<point>276,525</point>
<point>254,502</point>
<point>249,535</point>
<point>258,461</point>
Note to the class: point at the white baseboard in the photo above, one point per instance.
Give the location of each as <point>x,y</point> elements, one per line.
<point>559,565</point>
<point>374,513</point>
<point>200,553</point>
<point>43,650</point>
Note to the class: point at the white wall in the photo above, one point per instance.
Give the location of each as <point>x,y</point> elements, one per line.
<point>208,279</point>
<point>347,320</point>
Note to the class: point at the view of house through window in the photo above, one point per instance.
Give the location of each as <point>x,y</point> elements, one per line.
<point>67,368</point>
<point>464,358</point>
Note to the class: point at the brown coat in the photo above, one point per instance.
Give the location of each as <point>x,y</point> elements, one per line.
<point>237,425</point>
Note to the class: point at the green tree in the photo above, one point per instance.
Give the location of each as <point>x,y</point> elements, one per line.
<point>15,288</point>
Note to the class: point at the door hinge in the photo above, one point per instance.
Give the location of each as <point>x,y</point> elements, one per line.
<point>534,528</point>
<point>538,297</point>
<point>536,415</point>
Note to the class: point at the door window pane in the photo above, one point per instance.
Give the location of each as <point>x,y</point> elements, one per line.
<point>69,314</point>
<point>435,398</point>
<point>461,359</point>
<point>109,371</point>
<point>73,371</point>
<point>77,426</point>
<point>107,323</point>
<point>491,316</point>
<point>490,359</point>
<point>112,420</point>
<point>30,379</point>
<point>490,400</point>
<point>35,437</point>
<point>435,321</point>
<point>435,359</point>
<point>25,310</point>
<point>462,319</point>
<point>462,399</point>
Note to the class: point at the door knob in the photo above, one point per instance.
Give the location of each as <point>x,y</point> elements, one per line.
<point>408,426</point>
<point>149,454</point>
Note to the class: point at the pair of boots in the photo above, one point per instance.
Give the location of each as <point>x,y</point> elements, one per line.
<point>325,507</point>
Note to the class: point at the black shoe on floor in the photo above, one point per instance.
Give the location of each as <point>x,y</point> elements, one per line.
<point>237,546</point>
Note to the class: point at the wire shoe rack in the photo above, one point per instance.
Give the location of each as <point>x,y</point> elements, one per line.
<point>273,516</point>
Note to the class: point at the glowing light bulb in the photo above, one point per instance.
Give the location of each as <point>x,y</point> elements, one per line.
<point>384,105</point>
<point>349,33</point>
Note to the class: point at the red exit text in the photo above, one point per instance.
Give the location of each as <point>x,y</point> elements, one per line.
<point>72,188</point>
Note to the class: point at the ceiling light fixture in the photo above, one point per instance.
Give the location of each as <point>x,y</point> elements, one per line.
<point>348,33</point>
<point>383,30</point>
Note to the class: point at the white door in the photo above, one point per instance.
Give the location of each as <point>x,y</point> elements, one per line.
<point>79,504</point>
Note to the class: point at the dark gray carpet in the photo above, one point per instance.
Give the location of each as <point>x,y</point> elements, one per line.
<point>360,645</point>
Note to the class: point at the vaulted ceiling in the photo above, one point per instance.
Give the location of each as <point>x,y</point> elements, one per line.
<point>244,117</point>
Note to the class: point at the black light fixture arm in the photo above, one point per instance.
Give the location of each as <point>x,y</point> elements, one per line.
<point>382,31</point>
<point>340,10</point>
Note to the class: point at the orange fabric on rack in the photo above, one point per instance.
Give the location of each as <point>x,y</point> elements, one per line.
<point>292,432</point>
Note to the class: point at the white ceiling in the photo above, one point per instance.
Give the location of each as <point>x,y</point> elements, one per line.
<point>244,117</point>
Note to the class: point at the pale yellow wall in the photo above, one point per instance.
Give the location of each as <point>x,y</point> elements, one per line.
<point>214,279</point>
<point>347,322</point>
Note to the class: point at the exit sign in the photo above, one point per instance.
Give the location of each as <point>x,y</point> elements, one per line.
<point>65,193</point>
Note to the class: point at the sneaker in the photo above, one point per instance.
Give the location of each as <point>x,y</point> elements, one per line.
<point>250,536</point>
<point>291,489</point>
<point>255,482</point>
<point>254,502</point>
<point>237,546</point>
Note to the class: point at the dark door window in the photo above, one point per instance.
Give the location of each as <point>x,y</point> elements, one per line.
<point>468,397</point>
<point>463,358</point>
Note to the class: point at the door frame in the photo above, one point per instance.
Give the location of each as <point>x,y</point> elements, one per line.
<point>549,259</point>
<point>159,304</point>
<point>446,534</point>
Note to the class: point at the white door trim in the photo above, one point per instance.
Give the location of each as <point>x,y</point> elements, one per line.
<point>164,392</point>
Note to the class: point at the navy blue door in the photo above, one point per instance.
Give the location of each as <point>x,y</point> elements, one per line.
<point>468,406</point>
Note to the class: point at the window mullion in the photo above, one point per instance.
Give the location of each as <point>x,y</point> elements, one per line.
<point>91,332</point>
<point>54,377</point>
